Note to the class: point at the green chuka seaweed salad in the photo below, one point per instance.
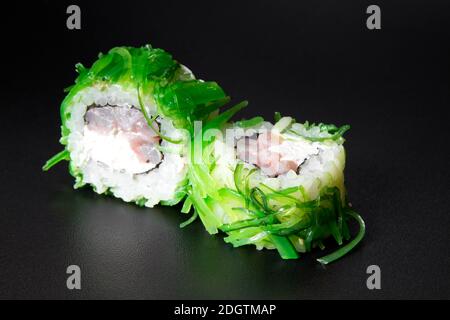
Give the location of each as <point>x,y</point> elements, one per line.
<point>126,124</point>
<point>293,212</point>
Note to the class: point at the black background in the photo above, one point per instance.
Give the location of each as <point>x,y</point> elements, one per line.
<point>314,60</point>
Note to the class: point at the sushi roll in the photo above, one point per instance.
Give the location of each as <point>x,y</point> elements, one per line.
<point>124,131</point>
<point>276,186</point>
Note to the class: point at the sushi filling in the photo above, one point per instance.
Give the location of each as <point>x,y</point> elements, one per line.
<point>274,155</point>
<point>119,138</point>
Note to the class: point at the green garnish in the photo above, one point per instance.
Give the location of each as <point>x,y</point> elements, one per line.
<point>190,220</point>
<point>318,133</point>
<point>256,198</point>
<point>151,120</point>
<point>63,155</point>
<point>277,116</point>
<point>250,122</point>
<point>189,101</point>
<point>348,247</point>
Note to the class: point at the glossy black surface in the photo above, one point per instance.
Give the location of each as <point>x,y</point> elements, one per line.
<point>312,61</point>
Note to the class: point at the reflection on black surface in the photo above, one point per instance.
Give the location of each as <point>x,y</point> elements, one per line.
<point>127,251</point>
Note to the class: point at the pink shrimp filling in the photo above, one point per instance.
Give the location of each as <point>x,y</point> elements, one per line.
<point>130,122</point>
<point>257,151</point>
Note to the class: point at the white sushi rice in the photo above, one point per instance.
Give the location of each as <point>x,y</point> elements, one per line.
<point>90,153</point>
<point>322,163</point>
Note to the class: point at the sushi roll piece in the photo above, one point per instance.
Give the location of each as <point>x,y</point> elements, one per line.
<point>276,186</point>
<point>122,133</point>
